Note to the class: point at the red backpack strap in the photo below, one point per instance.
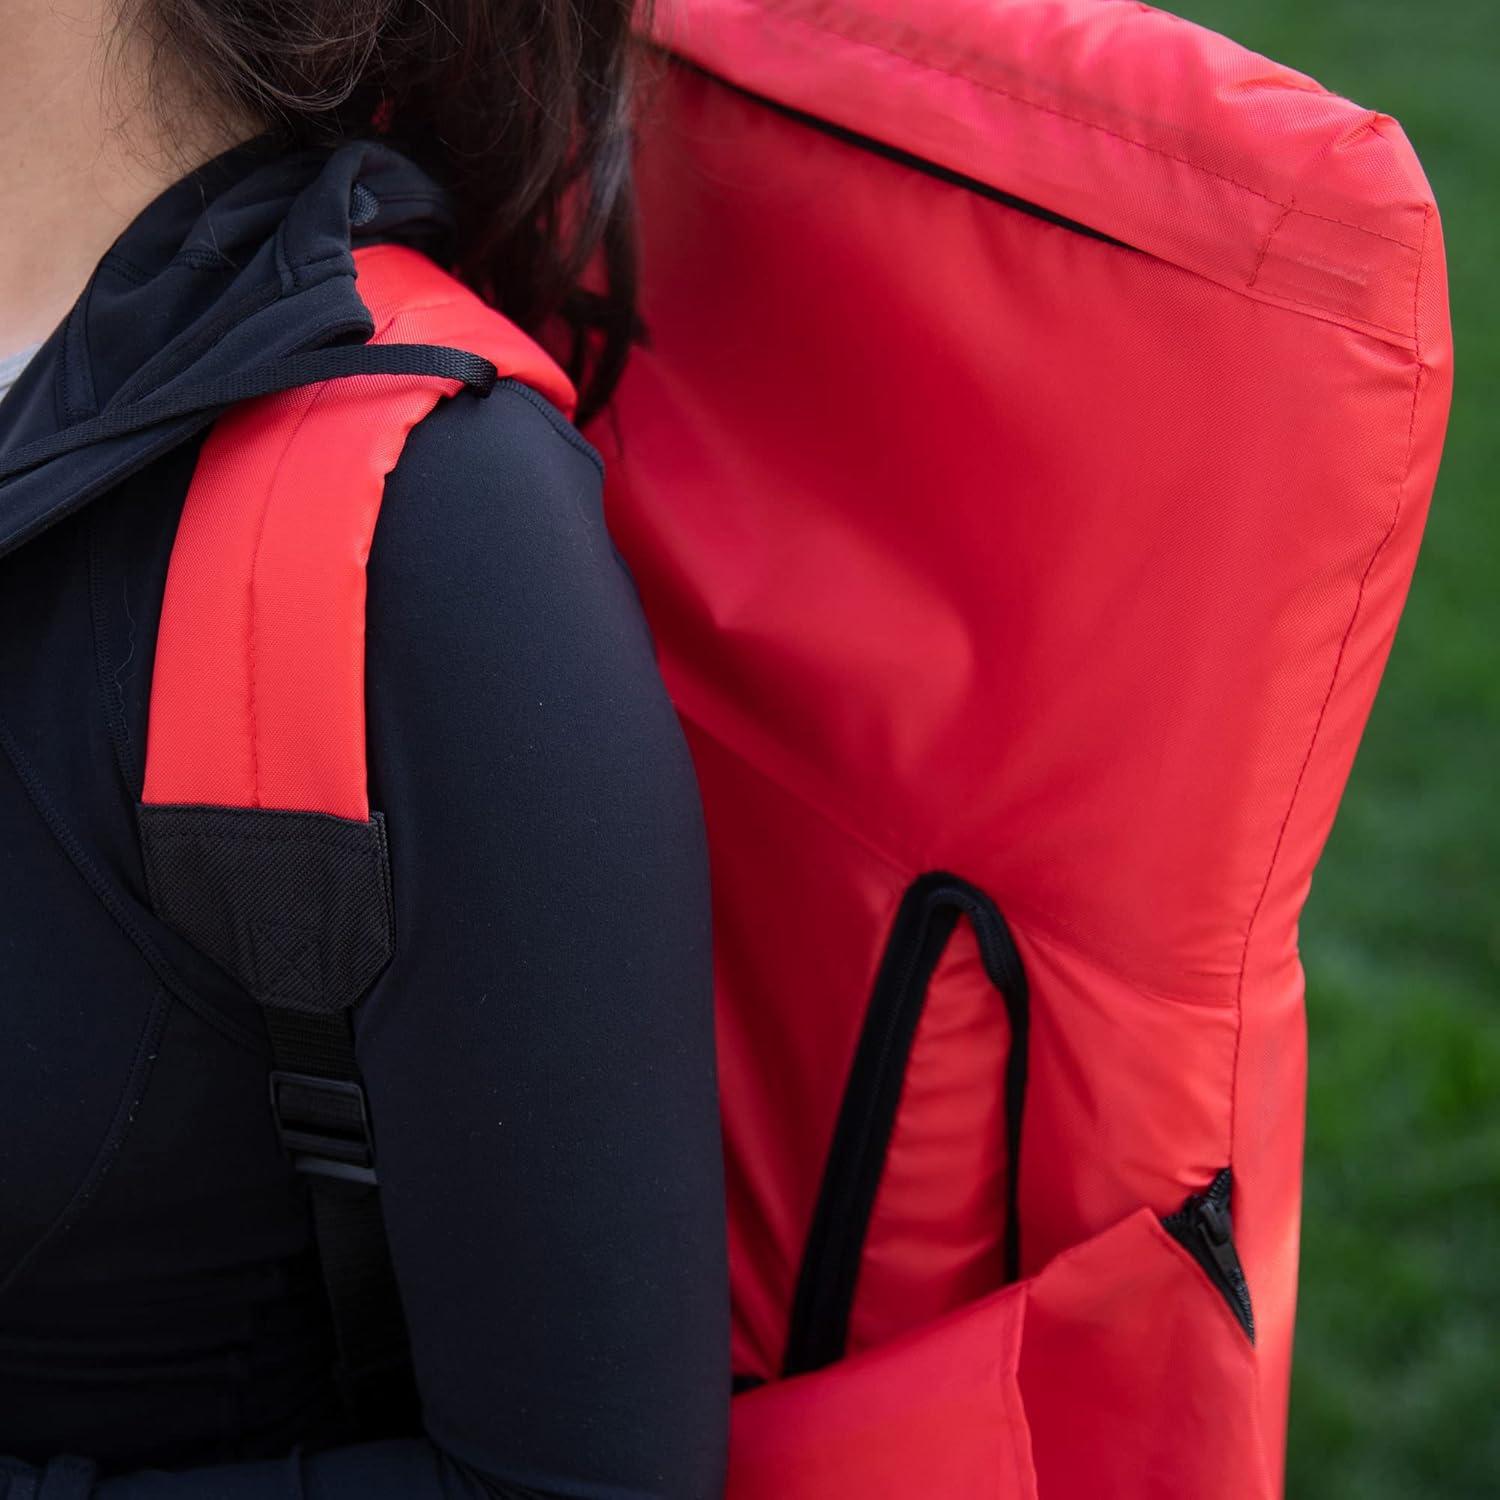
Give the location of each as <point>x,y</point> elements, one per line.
<point>258,695</point>
<point>257,836</point>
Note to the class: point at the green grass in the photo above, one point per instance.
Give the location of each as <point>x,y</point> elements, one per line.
<point>1396,1389</point>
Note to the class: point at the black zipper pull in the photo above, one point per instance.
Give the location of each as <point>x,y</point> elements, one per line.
<point>1204,1228</point>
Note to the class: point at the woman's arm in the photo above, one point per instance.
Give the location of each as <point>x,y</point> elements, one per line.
<point>539,1056</point>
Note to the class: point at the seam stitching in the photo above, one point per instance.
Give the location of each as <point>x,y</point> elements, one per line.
<point>167,836</point>
<point>252,662</point>
<point>1260,259</point>
<point>565,429</point>
<point>1343,320</point>
<point>1380,546</point>
<point>109,896</point>
<point>122,1117</point>
<point>1350,321</point>
<point>233,836</point>
<point>1416,291</point>
<point>1022,99</point>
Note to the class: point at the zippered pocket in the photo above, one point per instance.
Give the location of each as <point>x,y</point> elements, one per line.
<point>1113,1370</point>
<point>925,923</point>
<point>1204,1228</point>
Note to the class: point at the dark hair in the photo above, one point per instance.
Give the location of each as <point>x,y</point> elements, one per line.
<point>520,108</point>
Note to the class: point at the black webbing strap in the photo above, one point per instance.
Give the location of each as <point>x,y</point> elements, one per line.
<point>319,1107</point>
<point>434,360</point>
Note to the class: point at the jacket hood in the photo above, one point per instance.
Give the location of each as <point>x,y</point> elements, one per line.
<point>242,266</point>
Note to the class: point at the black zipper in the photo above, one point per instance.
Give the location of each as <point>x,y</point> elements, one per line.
<point>925,921</point>
<point>1204,1228</point>
<point>904,158</point>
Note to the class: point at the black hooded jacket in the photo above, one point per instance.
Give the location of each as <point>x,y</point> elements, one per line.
<point>538,1054</point>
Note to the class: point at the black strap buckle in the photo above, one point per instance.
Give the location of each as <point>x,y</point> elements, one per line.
<point>324,1125</point>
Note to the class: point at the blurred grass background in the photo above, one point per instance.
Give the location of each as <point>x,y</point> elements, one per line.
<point>1396,1386</point>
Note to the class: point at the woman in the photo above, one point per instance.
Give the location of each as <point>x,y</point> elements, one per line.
<point>537,1056</point>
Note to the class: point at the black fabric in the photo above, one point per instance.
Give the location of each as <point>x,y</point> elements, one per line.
<point>242,264</point>
<point>212,396</point>
<point>538,1052</point>
<point>297,906</point>
<point>374,1371</point>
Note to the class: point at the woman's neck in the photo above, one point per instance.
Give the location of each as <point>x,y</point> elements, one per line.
<point>84,153</point>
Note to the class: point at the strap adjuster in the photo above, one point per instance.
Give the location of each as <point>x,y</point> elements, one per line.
<point>324,1125</point>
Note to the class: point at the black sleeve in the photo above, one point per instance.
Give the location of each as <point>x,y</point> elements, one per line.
<point>539,1056</point>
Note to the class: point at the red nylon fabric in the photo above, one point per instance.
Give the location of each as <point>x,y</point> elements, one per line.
<point>1116,1372</point>
<point>938,1225</point>
<point>1237,168</point>
<point>972,543</point>
<point>258,694</point>
<point>936,1413</point>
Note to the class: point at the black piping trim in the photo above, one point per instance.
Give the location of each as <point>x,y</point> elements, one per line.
<point>902,157</point>
<point>510,386</point>
<point>924,923</point>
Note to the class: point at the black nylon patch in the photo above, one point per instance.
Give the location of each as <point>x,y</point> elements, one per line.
<point>297,906</point>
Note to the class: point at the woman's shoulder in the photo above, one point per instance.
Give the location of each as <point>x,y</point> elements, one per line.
<point>514,698</point>
<point>493,573</point>
<point>505,468</point>
<point>494,501</point>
